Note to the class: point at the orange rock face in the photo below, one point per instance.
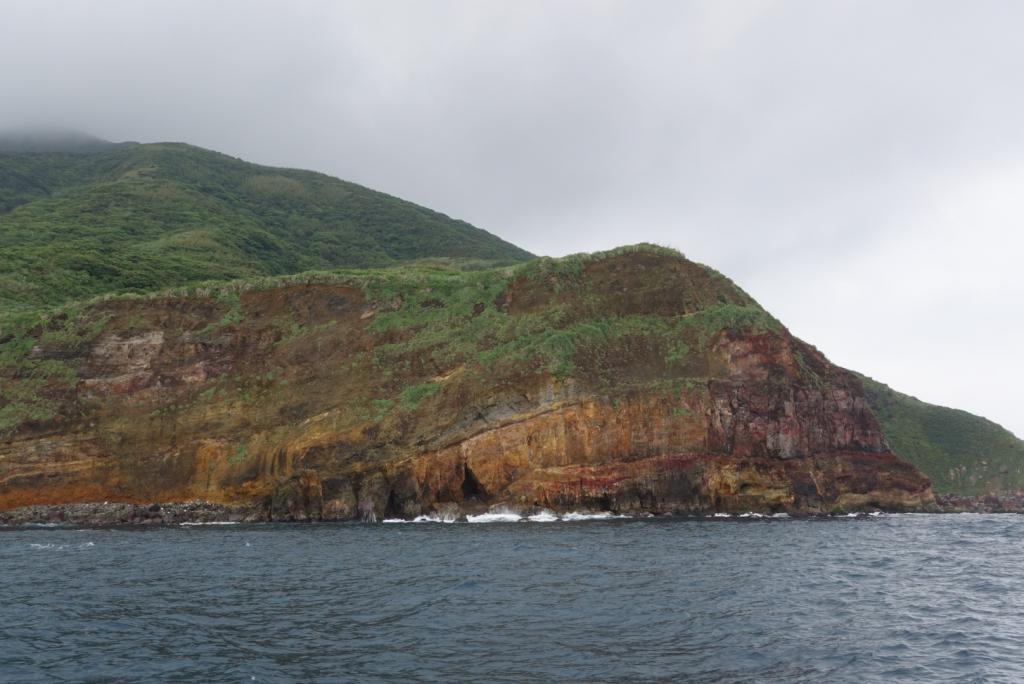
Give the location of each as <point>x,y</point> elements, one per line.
<point>300,403</point>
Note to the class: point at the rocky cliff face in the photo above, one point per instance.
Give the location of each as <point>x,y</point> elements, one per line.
<point>630,381</point>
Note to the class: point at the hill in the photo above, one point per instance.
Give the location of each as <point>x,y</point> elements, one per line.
<point>81,217</point>
<point>175,253</point>
<point>961,453</point>
<point>633,380</point>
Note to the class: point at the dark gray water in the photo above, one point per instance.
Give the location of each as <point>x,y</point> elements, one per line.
<point>895,598</point>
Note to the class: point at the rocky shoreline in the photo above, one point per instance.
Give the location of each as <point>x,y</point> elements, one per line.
<point>203,512</point>
<point>107,514</point>
<point>952,503</point>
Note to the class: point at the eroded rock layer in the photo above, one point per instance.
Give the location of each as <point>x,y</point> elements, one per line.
<point>630,381</point>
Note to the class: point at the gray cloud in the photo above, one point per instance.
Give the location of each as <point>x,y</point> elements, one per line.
<point>855,165</point>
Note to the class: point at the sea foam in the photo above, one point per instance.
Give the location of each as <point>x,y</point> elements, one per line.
<point>504,514</point>
<point>212,522</point>
<point>428,518</point>
<point>498,517</point>
<point>61,547</point>
<point>603,515</point>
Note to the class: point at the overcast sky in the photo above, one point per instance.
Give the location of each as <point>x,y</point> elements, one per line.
<point>858,167</point>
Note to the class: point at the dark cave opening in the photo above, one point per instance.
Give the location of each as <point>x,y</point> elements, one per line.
<point>471,488</point>
<point>393,509</point>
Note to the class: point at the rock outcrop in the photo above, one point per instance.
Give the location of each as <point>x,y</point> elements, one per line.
<point>629,381</point>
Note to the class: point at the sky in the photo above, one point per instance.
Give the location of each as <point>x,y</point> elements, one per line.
<point>856,166</point>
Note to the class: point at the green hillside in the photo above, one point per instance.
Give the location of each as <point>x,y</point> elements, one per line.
<point>960,452</point>
<point>90,217</point>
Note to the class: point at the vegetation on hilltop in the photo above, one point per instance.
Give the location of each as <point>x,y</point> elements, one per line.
<point>137,218</point>
<point>961,453</point>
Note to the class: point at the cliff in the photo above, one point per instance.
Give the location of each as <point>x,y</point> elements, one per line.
<point>633,380</point>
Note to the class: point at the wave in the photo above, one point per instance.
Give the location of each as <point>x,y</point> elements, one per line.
<point>430,517</point>
<point>748,514</point>
<point>503,514</point>
<point>61,547</point>
<point>603,515</point>
<point>212,522</point>
<point>494,517</point>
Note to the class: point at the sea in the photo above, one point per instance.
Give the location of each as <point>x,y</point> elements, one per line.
<point>885,598</point>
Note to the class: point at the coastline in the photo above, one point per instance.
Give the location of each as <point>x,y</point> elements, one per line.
<point>104,514</point>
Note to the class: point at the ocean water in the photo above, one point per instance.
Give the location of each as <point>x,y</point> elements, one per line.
<point>894,598</point>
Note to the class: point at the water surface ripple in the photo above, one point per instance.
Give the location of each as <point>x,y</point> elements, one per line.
<point>888,599</point>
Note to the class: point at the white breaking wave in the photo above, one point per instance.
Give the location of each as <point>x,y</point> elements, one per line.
<point>214,522</point>
<point>447,518</point>
<point>494,517</point>
<point>865,514</point>
<point>61,547</point>
<point>603,515</point>
<point>748,514</point>
<point>503,514</point>
<point>428,518</point>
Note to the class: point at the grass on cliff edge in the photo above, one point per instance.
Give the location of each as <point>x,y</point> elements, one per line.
<point>961,453</point>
